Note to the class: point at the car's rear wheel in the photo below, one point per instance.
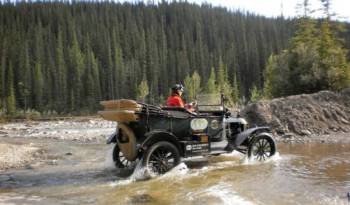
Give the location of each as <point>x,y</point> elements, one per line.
<point>123,165</point>
<point>161,157</point>
<point>261,148</point>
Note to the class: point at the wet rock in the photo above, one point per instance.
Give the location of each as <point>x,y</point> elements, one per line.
<point>142,198</point>
<point>28,166</point>
<point>288,136</point>
<point>282,130</point>
<point>52,162</point>
<point>305,132</point>
<point>344,121</point>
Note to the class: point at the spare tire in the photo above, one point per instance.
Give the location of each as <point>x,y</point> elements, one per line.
<point>127,142</point>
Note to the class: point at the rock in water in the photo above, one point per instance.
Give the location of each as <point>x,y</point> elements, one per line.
<point>142,198</point>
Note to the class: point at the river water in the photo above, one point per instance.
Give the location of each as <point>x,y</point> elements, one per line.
<point>82,173</point>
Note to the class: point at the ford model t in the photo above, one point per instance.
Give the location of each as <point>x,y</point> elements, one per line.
<point>160,137</point>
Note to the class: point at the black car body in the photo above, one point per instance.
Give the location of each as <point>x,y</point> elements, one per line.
<point>162,136</point>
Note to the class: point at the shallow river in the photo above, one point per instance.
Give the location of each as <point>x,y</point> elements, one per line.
<point>77,173</point>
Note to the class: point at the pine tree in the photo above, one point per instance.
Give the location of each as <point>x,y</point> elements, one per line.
<point>255,94</point>
<point>76,70</point>
<point>223,84</point>
<point>235,90</point>
<point>111,69</point>
<point>95,76</point>
<point>196,84</point>
<point>10,98</point>
<point>120,74</point>
<point>38,86</point>
<point>221,75</point>
<point>142,90</point>
<point>88,80</point>
<point>38,83</point>
<point>333,62</point>
<point>61,74</point>
<point>306,32</point>
<point>3,76</point>
<point>211,86</point>
<point>188,85</point>
<point>314,64</point>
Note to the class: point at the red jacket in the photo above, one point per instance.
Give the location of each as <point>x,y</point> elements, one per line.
<point>175,101</point>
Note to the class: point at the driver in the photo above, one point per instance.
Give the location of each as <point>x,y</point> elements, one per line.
<point>175,99</point>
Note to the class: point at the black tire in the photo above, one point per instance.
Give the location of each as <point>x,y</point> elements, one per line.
<point>261,148</point>
<point>124,167</point>
<point>161,157</point>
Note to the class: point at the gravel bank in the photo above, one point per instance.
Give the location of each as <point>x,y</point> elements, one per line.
<point>14,156</point>
<point>85,130</point>
<point>324,113</point>
<point>15,153</point>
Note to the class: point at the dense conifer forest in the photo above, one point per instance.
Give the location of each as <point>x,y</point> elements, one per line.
<point>66,57</point>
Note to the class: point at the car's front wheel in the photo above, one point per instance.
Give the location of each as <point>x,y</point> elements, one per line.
<point>261,148</point>
<point>161,157</point>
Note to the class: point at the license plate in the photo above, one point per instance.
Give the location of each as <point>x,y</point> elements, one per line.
<point>192,149</point>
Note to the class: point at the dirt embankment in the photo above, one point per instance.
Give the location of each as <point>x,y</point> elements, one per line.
<point>321,113</point>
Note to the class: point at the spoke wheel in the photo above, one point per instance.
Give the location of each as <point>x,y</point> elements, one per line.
<point>262,148</point>
<point>124,166</point>
<point>161,157</point>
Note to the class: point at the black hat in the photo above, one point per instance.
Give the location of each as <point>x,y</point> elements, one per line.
<point>178,87</point>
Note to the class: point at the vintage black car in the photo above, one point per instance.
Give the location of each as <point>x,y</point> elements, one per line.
<point>160,137</point>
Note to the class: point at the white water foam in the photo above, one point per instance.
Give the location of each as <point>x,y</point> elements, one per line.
<point>233,154</point>
<point>334,201</point>
<point>14,198</point>
<point>181,171</point>
<point>108,163</point>
<point>222,191</point>
<point>141,173</point>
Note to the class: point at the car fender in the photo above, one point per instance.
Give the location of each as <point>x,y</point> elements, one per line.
<point>266,134</point>
<point>241,137</point>
<point>157,136</point>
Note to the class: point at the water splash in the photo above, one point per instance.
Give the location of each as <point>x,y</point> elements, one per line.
<point>142,173</point>
<point>179,170</point>
<point>182,171</point>
<point>249,161</point>
<point>108,163</point>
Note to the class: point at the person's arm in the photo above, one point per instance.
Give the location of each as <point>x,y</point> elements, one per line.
<point>179,102</point>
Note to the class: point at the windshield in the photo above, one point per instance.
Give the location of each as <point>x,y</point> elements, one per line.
<point>209,102</point>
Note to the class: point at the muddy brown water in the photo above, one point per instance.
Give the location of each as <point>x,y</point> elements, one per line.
<point>82,173</point>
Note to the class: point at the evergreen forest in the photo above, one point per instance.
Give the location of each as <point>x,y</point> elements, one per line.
<point>65,57</point>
